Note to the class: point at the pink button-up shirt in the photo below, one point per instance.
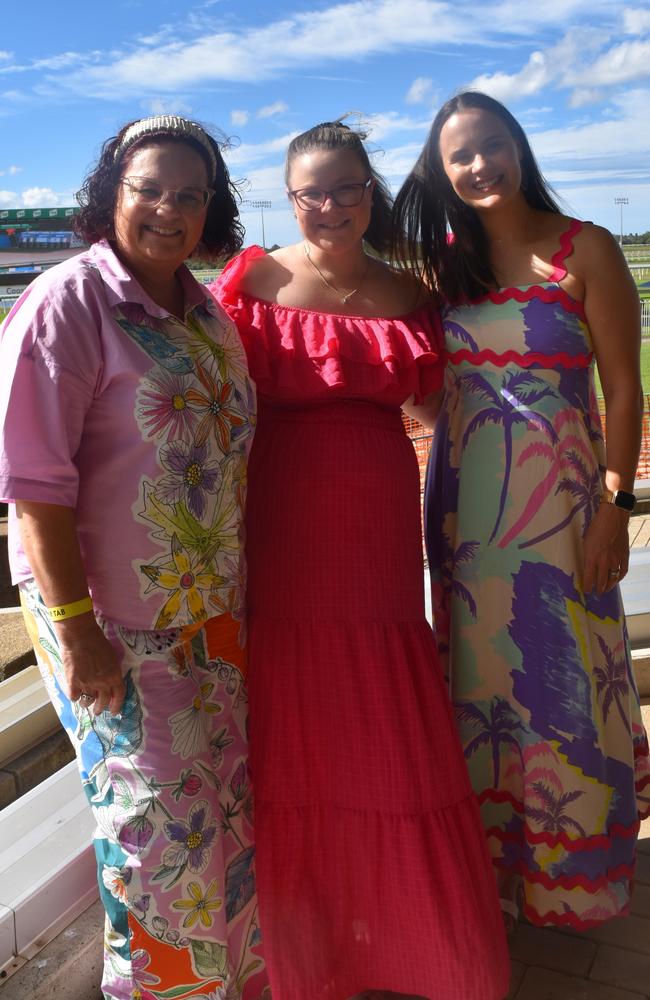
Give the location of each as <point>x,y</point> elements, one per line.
<point>141,423</point>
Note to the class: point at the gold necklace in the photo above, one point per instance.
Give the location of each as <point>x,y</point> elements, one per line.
<point>344,299</point>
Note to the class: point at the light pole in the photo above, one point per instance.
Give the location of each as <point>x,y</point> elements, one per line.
<point>261,205</point>
<point>621,202</point>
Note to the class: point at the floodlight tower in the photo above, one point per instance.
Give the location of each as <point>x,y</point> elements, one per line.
<point>261,205</point>
<point>620,202</point>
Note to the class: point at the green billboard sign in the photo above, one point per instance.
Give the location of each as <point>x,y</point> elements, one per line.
<point>16,215</point>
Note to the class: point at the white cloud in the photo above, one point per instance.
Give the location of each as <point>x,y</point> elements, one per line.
<point>580,61</point>
<point>269,110</point>
<point>421,90</point>
<point>239,117</point>
<point>545,67</point>
<point>394,164</point>
<point>535,75</point>
<point>9,97</point>
<point>39,197</point>
<point>386,123</point>
<point>585,95</point>
<point>621,64</point>
<point>613,147</point>
<point>64,60</point>
<point>636,21</point>
<point>35,197</point>
<point>249,152</point>
<point>167,106</point>
<point>350,30</point>
<point>10,171</point>
<point>266,183</point>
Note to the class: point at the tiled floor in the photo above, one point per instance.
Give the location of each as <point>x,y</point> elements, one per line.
<point>639,531</point>
<point>610,962</point>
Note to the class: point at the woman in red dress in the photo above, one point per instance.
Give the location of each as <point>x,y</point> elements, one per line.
<point>373,873</point>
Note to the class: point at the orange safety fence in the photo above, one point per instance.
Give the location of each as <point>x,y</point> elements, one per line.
<point>421,438</point>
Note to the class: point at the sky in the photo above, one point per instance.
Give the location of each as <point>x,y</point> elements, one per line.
<point>576,73</point>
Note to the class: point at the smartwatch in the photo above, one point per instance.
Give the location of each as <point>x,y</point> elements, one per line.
<point>620,498</point>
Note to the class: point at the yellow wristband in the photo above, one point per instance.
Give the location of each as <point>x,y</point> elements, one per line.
<point>64,611</point>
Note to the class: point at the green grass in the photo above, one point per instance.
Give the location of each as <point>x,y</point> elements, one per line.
<point>645,366</point>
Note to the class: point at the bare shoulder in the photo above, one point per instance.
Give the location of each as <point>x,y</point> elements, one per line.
<point>265,275</point>
<point>401,291</point>
<point>596,248</point>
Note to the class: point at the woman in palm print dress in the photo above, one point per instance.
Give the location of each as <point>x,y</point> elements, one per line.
<point>526,550</point>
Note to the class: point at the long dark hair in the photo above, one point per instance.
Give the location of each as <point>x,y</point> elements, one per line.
<point>338,135</point>
<point>223,233</point>
<point>427,205</point>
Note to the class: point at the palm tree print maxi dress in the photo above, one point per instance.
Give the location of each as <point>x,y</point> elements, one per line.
<point>540,672</point>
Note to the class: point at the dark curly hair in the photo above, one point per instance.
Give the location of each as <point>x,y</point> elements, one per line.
<point>223,233</point>
<point>427,204</point>
<point>338,135</point>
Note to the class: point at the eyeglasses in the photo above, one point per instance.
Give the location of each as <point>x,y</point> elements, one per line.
<point>343,195</point>
<point>149,194</point>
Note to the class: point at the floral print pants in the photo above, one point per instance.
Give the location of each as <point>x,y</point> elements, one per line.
<point>168,783</point>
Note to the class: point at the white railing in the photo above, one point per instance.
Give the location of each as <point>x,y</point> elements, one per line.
<point>645,317</point>
<point>48,872</point>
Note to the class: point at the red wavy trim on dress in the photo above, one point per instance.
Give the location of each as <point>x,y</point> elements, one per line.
<point>568,919</point>
<point>566,249</point>
<point>599,841</point>
<point>551,882</point>
<point>526,293</point>
<point>641,787</point>
<point>500,796</point>
<point>560,360</point>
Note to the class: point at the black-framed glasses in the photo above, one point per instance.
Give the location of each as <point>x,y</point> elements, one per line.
<point>343,195</point>
<point>150,194</point>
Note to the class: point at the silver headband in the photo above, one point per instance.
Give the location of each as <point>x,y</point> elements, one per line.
<point>166,125</point>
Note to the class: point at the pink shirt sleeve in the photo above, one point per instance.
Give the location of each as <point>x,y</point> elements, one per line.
<point>50,361</point>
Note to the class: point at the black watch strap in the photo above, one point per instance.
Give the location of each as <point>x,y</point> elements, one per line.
<point>624,500</point>
<point>619,498</point>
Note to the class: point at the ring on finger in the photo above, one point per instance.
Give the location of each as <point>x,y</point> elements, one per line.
<point>86,699</point>
<point>614,572</point>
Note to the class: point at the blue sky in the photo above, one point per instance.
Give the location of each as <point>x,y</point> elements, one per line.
<point>575,72</point>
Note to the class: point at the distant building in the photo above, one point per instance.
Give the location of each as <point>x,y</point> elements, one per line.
<point>31,240</point>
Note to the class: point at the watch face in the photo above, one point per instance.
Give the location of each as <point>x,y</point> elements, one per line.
<point>624,500</point>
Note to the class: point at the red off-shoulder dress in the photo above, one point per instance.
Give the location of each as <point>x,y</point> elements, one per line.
<point>372,866</point>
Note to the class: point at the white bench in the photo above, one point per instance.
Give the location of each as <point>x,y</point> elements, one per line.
<point>27,716</point>
<point>47,866</point>
<point>636,597</point>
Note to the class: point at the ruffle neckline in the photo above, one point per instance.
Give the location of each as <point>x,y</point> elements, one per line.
<point>300,354</point>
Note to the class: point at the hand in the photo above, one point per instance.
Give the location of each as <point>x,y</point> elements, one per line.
<point>90,665</point>
<point>606,549</point>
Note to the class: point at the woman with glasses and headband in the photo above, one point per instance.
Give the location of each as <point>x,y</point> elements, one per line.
<point>127,415</point>
<point>373,872</point>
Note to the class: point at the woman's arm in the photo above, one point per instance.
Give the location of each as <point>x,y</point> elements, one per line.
<point>612,308</point>
<point>426,411</point>
<point>90,664</point>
